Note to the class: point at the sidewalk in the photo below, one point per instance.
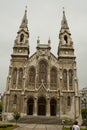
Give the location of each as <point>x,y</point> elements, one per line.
<point>39,127</point>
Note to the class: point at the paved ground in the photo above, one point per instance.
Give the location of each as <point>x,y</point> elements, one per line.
<point>39,127</point>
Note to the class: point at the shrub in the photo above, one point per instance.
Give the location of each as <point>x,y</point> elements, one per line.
<point>84,113</point>
<point>16,116</point>
<point>1,107</point>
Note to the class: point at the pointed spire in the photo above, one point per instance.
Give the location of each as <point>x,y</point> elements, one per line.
<point>24,20</point>
<point>24,23</point>
<point>64,24</point>
<point>49,41</point>
<point>38,40</point>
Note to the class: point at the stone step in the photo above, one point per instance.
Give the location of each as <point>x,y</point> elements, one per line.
<point>38,120</point>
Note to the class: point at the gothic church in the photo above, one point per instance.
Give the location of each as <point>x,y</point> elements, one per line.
<point>42,84</point>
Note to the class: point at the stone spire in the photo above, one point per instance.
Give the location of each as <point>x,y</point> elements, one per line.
<point>24,23</point>
<point>64,23</point>
<point>24,20</point>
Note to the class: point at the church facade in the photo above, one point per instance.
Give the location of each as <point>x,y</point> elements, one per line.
<point>42,84</point>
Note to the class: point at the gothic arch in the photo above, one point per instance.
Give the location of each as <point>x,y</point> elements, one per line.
<point>30,106</point>
<point>43,71</point>
<point>41,106</point>
<point>53,107</point>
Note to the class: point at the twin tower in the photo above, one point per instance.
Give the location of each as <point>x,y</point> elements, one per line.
<point>42,84</point>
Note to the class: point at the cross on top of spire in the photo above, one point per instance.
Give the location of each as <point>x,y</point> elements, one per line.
<point>26,8</point>
<point>64,23</point>
<point>63,9</point>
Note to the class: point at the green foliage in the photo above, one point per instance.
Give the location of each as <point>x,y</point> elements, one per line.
<point>16,116</point>
<point>68,121</point>
<point>7,126</point>
<point>84,113</point>
<point>1,107</point>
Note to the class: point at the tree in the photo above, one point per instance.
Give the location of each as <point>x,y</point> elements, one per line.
<point>84,116</point>
<point>16,116</point>
<point>84,113</point>
<point>1,107</point>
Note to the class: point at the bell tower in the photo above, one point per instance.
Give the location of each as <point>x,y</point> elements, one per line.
<point>68,71</point>
<point>21,45</point>
<point>65,49</point>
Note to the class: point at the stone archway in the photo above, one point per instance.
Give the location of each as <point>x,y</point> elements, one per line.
<point>41,106</point>
<point>53,107</point>
<point>30,106</point>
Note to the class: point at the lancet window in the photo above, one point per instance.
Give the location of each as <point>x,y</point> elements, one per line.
<point>21,37</point>
<point>53,76</point>
<point>14,75</point>
<point>43,71</point>
<point>70,77</point>
<point>32,75</point>
<point>65,39</point>
<point>20,76</point>
<point>65,78</point>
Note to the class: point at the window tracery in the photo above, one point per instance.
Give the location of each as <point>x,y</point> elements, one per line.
<point>43,71</point>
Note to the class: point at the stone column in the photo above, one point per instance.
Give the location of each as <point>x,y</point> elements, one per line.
<point>67,80</point>
<point>37,73</point>
<point>17,79</point>
<point>22,106</point>
<point>24,79</point>
<point>35,107</point>
<point>75,82</point>
<point>48,78</point>
<point>48,107</point>
<point>58,107</point>
<point>9,79</point>
<point>36,78</point>
<point>25,105</point>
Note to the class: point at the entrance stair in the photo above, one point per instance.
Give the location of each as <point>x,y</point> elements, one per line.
<point>38,120</point>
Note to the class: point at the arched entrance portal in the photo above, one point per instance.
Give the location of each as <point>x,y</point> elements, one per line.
<point>41,106</point>
<point>53,106</point>
<point>30,106</point>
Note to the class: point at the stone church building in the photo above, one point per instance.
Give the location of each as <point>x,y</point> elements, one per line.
<point>42,84</point>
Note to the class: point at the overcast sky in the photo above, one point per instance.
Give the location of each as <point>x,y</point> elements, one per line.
<point>44,20</point>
